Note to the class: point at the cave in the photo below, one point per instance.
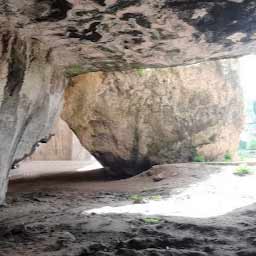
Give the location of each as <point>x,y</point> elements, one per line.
<point>127,127</point>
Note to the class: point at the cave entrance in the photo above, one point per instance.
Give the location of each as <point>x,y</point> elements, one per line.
<point>247,148</point>
<point>62,154</point>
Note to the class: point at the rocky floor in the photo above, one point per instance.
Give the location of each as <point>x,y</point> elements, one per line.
<point>47,216</point>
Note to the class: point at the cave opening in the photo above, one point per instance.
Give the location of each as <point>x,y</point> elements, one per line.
<point>61,155</point>
<point>247,147</point>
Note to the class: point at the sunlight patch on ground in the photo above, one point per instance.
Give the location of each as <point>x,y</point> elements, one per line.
<point>219,194</point>
<point>35,169</point>
<point>92,164</point>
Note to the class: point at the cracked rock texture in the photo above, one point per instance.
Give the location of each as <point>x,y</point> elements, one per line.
<point>31,91</point>
<point>120,34</point>
<point>133,119</point>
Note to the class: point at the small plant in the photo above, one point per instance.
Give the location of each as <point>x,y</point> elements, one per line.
<point>252,145</point>
<point>152,220</point>
<point>74,70</point>
<point>198,158</point>
<point>137,199</point>
<point>155,198</point>
<point>140,71</point>
<point>242,170</point>
<point>227,157</point>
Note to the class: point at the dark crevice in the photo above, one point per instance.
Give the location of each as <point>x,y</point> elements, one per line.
<point>100,2</point>
<point>139,18</point>
<point>221,20</point>
<point>16,72</point>
<point>89,34</point>
<point>5,42</point>
<point>122,4</point>
<point>58,10</point>
<point>119,168</point>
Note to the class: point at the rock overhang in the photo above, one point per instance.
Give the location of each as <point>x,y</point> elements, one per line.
<point>123,34</point>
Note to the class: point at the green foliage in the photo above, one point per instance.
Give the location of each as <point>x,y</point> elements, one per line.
<point>198,158</point>
<point>155,197</point>
<point>140,71</point>
<point>74,70</point>
<point>252,145</point>
<point>137,199</point>
<point>228,156</point>
<point>244,155</point>
<point>242,145</point>
<point>242,170</point>
<point>152,220</point>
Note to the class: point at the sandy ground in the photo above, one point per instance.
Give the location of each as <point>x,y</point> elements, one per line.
<point>61,214</point>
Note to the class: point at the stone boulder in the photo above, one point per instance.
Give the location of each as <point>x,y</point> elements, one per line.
<point>134,119</point>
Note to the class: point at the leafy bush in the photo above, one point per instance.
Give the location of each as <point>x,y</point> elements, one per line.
<point>242,170</point>
<point>228,156</point>
<point>252,145</point>
<point>242,145</point>
<point>198,158</point>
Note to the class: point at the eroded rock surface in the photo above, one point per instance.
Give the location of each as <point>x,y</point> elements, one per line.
<point>120,34</point>
<point>131,120</point>
<point>92,35</point>
<point>31,90</point>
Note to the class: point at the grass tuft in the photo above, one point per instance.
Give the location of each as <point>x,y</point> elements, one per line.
<point>227,157</point>
<point>242,170</point>
<point>137,199</point>
<point>198,158</point>
<point>155,197</point>
<point>152,220</point>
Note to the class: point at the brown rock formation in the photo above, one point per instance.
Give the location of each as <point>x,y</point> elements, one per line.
<point>131,120</point>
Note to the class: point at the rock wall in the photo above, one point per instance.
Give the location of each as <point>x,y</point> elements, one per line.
<point>134,119</point>
<point>63,146</point>
<point>31,92</point>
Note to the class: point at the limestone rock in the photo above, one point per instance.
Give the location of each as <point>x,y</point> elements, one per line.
<point>120,34</point>
<point>31,92</point>
<point>134,119</point>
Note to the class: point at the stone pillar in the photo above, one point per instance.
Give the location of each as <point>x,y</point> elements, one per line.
<point>31,90</point>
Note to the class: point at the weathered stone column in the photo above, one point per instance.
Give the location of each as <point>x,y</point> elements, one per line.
<point>31,89</point>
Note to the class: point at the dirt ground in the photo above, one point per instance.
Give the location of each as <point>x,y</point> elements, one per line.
<point>46,216</point>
